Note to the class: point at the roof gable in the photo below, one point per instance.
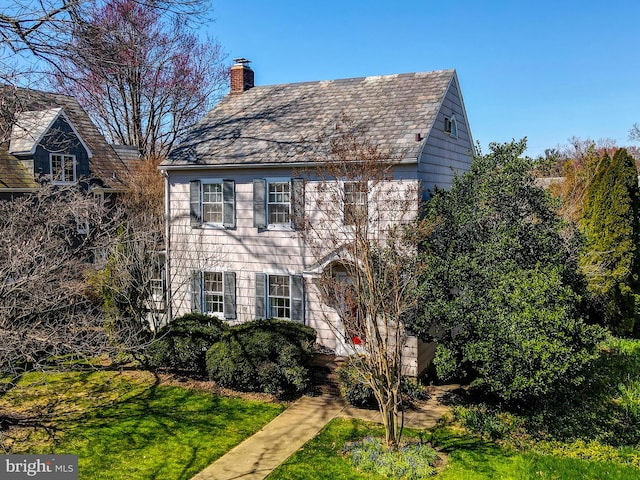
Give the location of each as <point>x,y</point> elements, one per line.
<point>285,124</point>
<point>30,127</point>
<point>39,111</point>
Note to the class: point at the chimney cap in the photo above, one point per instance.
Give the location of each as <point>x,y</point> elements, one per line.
<point>241,61</point>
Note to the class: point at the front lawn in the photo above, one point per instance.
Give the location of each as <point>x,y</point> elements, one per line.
<point>127,425</point>
<point>468,458</point>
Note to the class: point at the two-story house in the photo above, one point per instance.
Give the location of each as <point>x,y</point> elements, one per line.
<point>48,137</point>
<point>233,187</point>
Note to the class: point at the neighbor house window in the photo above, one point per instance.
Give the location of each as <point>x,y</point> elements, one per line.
<point>279,296</point>
<point>451,126</point>
<point>63,168</point>
<point>355,202</point>
<point>278,203</point>
<point>212,202</point>
<point>214,293</point>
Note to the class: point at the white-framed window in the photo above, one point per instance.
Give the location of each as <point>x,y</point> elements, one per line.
<point>451,126</point>
<point>214,293</point>
<point>279,296</point>
<point>355,202</point>
<point>157,282</point>
<point>62,168</point>
<point>278,203</point>
<point>212,203</point>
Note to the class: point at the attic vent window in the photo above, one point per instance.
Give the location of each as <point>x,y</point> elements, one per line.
<point>451,126</point>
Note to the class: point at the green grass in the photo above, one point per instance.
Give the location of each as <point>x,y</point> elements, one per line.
<point>128,427</point>
<point>468,457</point>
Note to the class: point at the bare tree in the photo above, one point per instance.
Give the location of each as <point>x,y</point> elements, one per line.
<point>48,248</point>
<point>360,230</point>
<point>143,77</point>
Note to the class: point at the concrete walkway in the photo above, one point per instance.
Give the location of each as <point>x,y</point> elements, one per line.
<point>259,454</point>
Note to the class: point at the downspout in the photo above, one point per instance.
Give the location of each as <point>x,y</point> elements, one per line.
<point>167,245</point>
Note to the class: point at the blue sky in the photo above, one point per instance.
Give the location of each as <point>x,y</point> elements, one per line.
<point>548,70</point>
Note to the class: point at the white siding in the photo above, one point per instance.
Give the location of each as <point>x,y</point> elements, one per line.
<point>442,154</point>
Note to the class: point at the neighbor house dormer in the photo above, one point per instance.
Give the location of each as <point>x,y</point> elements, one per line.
<point>49,146</point>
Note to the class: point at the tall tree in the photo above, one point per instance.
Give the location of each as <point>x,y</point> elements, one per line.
<point>610,225</point>
<point>360,230</point>
<point>49,244</point>
<point>500,294</point>
<point>145,78</point>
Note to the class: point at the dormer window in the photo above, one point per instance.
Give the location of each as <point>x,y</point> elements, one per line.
<point>62,168</point>
<point>451,126</point>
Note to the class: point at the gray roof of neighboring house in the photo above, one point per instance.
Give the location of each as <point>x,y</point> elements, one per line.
<point>285,123</point>
<point>36,109</point>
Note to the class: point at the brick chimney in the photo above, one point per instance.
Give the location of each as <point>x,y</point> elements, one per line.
<point>241,76</point>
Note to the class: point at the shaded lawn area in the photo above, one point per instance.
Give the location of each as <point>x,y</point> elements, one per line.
<point>126,425</point>
<point>468,458</point>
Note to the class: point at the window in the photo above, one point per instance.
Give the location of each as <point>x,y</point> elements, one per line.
<point>157,282</point>
<point>278,203</point>
<point>355,202</point>
<point>63,168</point>
<point>451,126</point>
<point>279,296</point>
<point>214,293</point>
<point>212,203</point>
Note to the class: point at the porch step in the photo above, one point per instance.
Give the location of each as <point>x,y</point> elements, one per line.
<point>323,375</point>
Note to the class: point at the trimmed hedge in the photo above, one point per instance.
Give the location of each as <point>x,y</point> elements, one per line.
<point>183,343</point>
<point>269,356</point>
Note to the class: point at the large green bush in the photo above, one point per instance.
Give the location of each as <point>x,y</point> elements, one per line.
<point>183,343</point>
<point>269,356</point>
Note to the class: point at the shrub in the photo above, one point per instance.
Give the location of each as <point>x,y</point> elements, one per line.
<point>412,461</point>
<point>358,393</point>
<point>183,343</point>
<point>269,356</point>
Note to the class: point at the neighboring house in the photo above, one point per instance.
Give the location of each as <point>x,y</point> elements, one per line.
<point>232,187</point>
<point>48,137</point>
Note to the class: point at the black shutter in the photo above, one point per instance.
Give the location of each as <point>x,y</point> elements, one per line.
<point>297,298</point>
<point>195,207</point>
<point>259,203</point>
<point>230,295</point>
<point>196,291</point>
<point>229,203</point>
<point>261,293</point>
<point>297,203</point>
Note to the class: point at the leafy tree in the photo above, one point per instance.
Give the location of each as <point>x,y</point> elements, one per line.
<point>144,78</point>
<point>610,225</point>
<point>501,295</point>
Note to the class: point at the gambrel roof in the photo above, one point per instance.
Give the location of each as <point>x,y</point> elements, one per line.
<point>283,124</point>
<point>26,116</point>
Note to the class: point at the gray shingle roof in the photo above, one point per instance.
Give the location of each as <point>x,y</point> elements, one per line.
<point>283,123</point>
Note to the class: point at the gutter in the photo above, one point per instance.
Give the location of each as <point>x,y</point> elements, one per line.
<point>238,166</point>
